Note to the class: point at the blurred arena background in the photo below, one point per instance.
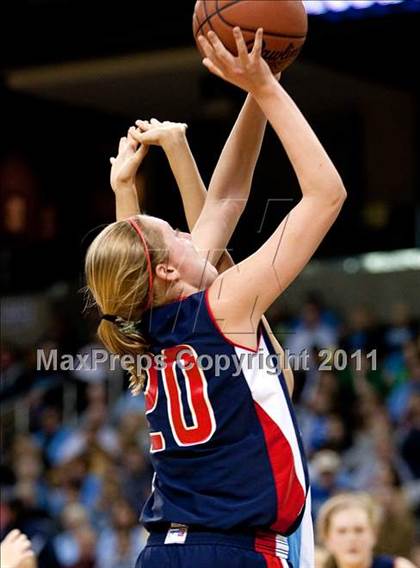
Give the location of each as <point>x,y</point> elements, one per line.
<point>74,471</point>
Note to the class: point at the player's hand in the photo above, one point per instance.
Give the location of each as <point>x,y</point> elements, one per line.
<point>159,133</point>
<point>15,550</point>
<point>130,156</point>
<point>248,71</point>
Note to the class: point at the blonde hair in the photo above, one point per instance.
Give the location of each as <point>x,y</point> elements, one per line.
<point>340,503</point>
<point>118,283</point>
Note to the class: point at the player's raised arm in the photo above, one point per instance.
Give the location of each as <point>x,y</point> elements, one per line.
<point>252,286</point>
<point>124,168</point>
<point>219,209</point>
<point>172,138</point>
<point>231,180</point>
<point>131,152</point>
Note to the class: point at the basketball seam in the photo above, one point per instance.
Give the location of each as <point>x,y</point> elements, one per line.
<point>219,10</point>
<point>212,14</point>
<point>207,19</point>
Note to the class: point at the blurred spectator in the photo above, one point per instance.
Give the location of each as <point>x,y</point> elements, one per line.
<point>347,527</point>
<point>410,443</point>
<point>127,404</point>
<point>75,545</point>
<point>111,491</point>
<point>397,364</point>
<point>120,544</point>
<point>51,435</point>
<point>400,396</point>
<point>136,477</point>
<point>94,435</point>
<point>400,330</point>
<point>415,555</point>
<point>132,430</point>
<point>35,523</point>
<point>311,331</point>
<point>325,482</point>
<point>372,447</point>
<point>321,420</point>
<point>73,482</point>
<point>94,369</point>
<point>13,372</point>
<point>29,485</point>
<point>397,527</point>
<point>362,331</point>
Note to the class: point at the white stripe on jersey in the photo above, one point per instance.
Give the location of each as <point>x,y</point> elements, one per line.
<point>282,546</point>
<point>307,553</point>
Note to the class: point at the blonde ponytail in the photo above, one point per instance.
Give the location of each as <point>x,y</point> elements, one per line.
<point>118,282</point>
<point>122,343</point>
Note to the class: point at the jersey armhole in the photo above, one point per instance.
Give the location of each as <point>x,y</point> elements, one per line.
<point>220,332</point>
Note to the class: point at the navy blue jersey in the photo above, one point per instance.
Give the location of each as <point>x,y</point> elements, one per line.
<point>224,441</point>
<point>383,562</point>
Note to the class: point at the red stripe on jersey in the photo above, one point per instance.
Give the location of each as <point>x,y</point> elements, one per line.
<point>266,543</point>
<point>290,494</point>
<point>272,561</point>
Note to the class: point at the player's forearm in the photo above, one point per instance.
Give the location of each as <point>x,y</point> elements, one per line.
<point>315,171</point>
<point>188,178</point>
<point>232,177</point>
<point>126,202</point>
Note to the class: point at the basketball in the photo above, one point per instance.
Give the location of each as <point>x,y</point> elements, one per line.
<point>284,22</point>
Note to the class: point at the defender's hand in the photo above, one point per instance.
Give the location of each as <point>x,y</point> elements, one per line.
<point>248,71</point>
<point>130,156</point>
<point>159,133</point>
<point>15,550</point>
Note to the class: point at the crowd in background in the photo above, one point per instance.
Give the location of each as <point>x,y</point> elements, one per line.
<point>75,480</point>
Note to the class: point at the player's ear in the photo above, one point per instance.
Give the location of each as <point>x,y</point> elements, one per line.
<point>167,272</point>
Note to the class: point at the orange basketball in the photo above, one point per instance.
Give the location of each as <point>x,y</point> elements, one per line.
<point>284,22</point>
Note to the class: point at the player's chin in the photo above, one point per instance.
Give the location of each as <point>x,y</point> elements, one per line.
<point>352,557</point>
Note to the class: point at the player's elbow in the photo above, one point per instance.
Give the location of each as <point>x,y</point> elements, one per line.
<point>328,190</point>
<point>341,192</point>
<point>329,199</point>
<point>341,195</point>
<point>335,195</point>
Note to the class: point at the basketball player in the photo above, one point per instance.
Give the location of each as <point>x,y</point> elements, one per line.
<point>347,526</point>
<point>231,480</point>
<point>231,181</point>
<point>234,170</point>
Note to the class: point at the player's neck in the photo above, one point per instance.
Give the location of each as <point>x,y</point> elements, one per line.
<point>177,291</point>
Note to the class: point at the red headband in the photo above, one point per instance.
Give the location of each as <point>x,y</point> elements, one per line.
<point>149,262</point>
